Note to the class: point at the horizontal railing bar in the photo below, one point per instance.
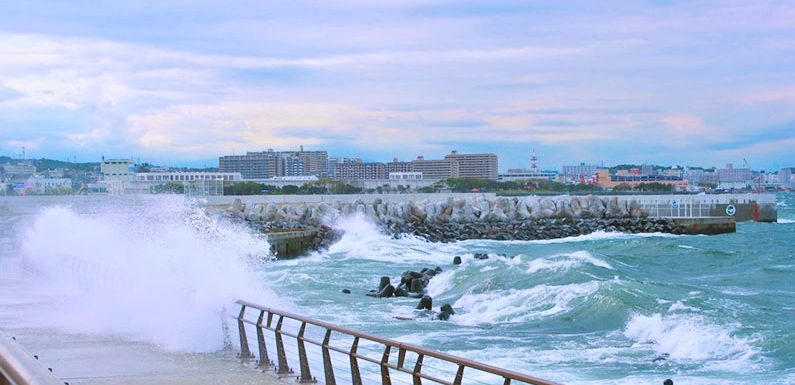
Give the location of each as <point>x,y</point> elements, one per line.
<point>17,367</point>
<point>409,347</point>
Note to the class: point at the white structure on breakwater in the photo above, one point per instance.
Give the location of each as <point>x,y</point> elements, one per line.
<point>187,176</point>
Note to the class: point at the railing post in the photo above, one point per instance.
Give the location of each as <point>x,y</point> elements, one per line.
<point>306,375</point>
<point>418,369</point>
<point>459,376</point>
<point>264,360</point>
<point>245,353</point>
<point>283,369</point>
<point>356,376</point>
<point>507,381</point>
<point>401,356</point>
<point>385,380</point>
<point>328,369</point>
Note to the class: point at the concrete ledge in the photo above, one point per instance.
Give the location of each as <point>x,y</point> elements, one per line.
<point>707,225</point>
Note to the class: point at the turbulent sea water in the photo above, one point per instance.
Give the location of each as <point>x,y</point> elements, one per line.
<point>604,308</point>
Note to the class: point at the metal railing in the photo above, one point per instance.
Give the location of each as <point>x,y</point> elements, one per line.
<point>370,359</point>
<point>18,367</point>
<point>676,208</point>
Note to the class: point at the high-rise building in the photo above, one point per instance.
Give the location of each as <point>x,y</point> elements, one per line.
<point>729,174</point>
<point>360,171</point>
<point>585,170</point>
<point>331,165</point>
<point>435,168</point>
<point>475,165</point>
<point>268,164</point>
<point>290,165</point>
<point>253,165</point>
<point>785,175</point>
<point>396,166</point>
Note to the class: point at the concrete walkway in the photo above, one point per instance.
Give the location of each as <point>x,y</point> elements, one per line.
<point>91,359</point>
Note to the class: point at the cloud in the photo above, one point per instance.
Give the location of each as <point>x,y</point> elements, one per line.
<point>202,80</point>
<point>7,93</point>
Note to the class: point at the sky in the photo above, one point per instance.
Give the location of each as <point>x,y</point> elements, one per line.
<point>698,83</point>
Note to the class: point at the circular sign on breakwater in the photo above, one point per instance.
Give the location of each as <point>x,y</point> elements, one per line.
<point>731,210</point>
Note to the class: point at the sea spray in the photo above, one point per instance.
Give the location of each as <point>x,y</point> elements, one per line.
<point>161,273</point>
<point>689,337</point>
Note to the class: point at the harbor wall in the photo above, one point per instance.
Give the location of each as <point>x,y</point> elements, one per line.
<point>746,207</point>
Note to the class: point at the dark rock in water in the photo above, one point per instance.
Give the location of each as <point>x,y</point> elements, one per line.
<point>346,291</point>
<point>481,256</point>
<point>383,283</point>
<point>387,291</point>
<point>437,269</point>
<point>426,303</point>
<point>446,312</point>
<point>417,286</point>
<point>401,292</point>
<point>668,381</point>
<point>456,260</point>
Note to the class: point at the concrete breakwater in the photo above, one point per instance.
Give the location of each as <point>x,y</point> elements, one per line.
<point>477,216</point>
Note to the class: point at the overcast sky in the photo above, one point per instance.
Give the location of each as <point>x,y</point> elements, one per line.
<point>664,82</point>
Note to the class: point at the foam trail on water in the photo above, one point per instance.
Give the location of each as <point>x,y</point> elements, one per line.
<point>160,273</point>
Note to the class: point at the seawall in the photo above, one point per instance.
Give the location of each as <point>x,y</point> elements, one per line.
<point>446,217</point>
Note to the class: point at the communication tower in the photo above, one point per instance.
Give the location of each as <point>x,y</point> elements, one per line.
<point>534,162</point>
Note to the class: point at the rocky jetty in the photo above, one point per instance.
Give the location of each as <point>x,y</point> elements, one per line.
<point>534,230</point>
<point>479,217</point>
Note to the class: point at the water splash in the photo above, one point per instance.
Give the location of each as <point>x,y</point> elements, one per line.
<point>161,273</point>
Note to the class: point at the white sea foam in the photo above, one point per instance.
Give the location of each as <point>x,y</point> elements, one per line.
<point>363,240</point>
<point>688,337</point>
<point>678,306</point>
<point>517,305</point>
<point>160,273</point>
<point>604,235</point>
<point>565,262</point>
<point>784,220</point>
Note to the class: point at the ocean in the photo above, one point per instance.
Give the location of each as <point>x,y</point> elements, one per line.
<point>605,308</point>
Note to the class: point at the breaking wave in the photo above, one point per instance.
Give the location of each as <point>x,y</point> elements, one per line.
<point>159,273</point>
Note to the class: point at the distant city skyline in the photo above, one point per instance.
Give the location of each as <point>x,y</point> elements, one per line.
<point>180,83</point>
